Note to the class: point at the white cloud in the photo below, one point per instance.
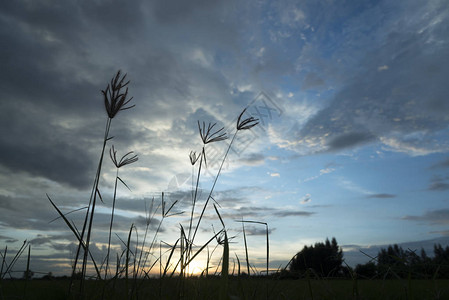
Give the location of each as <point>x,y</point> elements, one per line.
<point>311,178</point>
<point>326,171</point>
<point>413,147</point>
<point>199,56</point>
<point>292,16</point>
<point>322,172</point>
<point>352,186</point>
<point>260,52</point>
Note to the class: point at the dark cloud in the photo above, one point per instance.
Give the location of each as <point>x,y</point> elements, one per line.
<point>381,196</point>
<point>441,164</point>
<point>292,213</point>
<point>439,186</point>
<point>61,162</point>
<point>257,213</point>
<point>253,230</point>
<point>435,217</point>
<point>173,12</point>
<point>59,57</point>
<point>7,203</point>
<point>8,239</point>
<point>349,140</point>
<point>441,232</point>
<point>312,80</point>
<point>41,239</point>
<point>439,183</point>
<point>253,159</point>
<point>38,214</point>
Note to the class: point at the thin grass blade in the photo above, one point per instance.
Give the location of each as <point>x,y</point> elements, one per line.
<point>124,183</point>
<point>224,284</point>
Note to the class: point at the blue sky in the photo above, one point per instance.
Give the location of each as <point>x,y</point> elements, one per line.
<point>351,97</point>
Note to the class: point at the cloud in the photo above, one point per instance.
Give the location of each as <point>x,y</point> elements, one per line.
<point>324,171</point>
<point>253,230</point>
<point>248,212</point>
<point>441,164</point>
<point>434,217</point>
<point>306,199</point>
<point>349,140</point>
<point>292,213</point>
<point>253,159</point>
<point>442,232</point>
<point>439,183</point>
<point>439,186</point>
<point>354,187</point>
<point>41,239</point>
<point>402,108</point>
<point>58,87</point>
<point>8,239</point>
<point>381,196</point>
<point>312,80</point>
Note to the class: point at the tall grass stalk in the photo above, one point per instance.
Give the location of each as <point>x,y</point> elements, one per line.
<point>13,261</point>
<point>128,250</point>
<point>224,284</point>
<point>115,99</point>
<point>28,273</point>
<point>267,237</point>
<point>246,249</point>
<point>125,160</point>
<point>88,221</point>
<point>207,136</point>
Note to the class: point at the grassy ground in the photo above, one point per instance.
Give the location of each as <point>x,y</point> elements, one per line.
<point>245,288</point>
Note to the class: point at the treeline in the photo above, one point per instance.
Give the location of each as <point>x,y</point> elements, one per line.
<point>395,262</point>
<point>326,260</point>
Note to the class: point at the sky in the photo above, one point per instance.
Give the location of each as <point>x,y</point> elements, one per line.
<point>351,98</point>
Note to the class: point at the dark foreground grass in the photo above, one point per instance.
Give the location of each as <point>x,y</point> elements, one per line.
<point>240,288</point>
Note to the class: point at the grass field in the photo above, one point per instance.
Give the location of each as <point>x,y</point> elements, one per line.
<point>239,288</point>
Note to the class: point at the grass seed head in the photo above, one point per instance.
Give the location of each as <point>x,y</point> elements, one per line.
<point>246,123</point>
<point>207,136</point>
<point>115,95</point>
<point>125,160</point>
<point>193,157</point>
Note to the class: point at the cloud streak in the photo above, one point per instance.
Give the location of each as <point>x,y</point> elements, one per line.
<point>435,217</point>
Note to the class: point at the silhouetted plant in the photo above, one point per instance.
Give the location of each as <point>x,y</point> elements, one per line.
<point>126,159</point>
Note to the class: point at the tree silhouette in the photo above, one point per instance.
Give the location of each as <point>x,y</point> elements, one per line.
<point>325,259</point>
<point>366,271</point>
<point>441,259</point>
<point>394,262</point>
